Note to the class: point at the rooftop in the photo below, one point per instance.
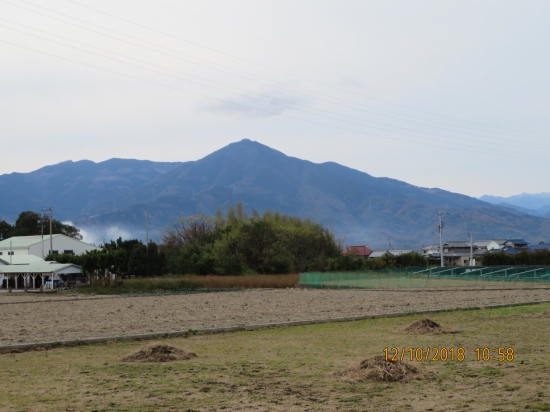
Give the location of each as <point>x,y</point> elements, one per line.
<point>20,259</point>
<point>37,267</point>
<point>23,242</point>
<point>517,241</point>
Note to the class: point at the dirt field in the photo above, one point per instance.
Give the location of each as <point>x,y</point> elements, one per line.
<point>293,369</point>
<point>56,318</point>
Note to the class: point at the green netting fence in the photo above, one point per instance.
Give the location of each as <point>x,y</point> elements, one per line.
<point>447,277</point>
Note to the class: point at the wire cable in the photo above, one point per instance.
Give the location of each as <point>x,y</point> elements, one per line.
<point>274,69</point>
<point>249,74</point>
<point>240,90</point>
<point>267,111</point>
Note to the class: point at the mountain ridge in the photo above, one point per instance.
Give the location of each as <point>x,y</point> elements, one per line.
<point>358,206</point>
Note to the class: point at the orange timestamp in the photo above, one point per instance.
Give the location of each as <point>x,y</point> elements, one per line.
<point>437,354</point>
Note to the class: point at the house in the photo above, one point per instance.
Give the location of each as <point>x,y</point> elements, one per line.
<point>519,244</point>
<point>496,245</point>
<point>430,250</point>
<point>35,274</point>
<point>40,246</point>
<point>359,251</point>
<point>457,252</point>
<point>481,244</point>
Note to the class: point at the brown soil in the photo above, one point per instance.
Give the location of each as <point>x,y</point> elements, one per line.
<point>378,369</point>
<point>159,353</point>
<point>427,327</point>
<point>119,316</point>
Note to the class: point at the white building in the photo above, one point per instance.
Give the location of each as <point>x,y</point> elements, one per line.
<point>40,246</point>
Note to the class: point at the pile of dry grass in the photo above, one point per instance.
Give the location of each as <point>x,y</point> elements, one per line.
<point>379,369</point>
<point>545,314</point>
<point>159,353</point>
<point>427,326</point>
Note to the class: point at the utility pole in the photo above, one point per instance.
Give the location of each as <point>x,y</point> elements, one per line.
<point>50,216</point>
<point>42,233</point>
<point>471,248</point>
<point>441,224</point>
<point>147,237</point>
<point>50,209</point>
<point>389,242</point>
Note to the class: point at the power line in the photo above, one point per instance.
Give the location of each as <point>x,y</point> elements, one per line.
<point>250,97</point>
<point>258,109</point>
<point>253,75</point>
<point>274,69</point>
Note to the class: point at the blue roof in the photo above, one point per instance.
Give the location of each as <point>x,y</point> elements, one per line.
<point>544,246</point>
<point>518,241</point>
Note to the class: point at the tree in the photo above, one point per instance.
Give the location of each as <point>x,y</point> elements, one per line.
<point>6,230</point>
<point>137,264</point>
<point>28,224</point>
<point>240,243</point>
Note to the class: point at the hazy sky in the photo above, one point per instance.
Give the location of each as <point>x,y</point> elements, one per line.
<point>437,93</point>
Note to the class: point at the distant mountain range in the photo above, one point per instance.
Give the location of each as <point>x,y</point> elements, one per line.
<point>536,204</point>
<point>363,209</point>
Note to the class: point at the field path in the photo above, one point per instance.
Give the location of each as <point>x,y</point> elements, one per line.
<point>55,319</point>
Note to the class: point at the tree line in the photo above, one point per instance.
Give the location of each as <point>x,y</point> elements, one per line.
<point>121,258</point>
<point>28,223</point>
<point>233,243</point>
<point>521,258</point>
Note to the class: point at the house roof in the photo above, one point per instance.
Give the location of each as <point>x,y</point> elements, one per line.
<point>481,243</point>
<point>395,252</point>
<point>457,243</point>
<point>517,241</point>
<point>544,246</point>
<point>431,247</point>
<point>23,242</point>
<point>378,253</point>
<point>20,259</point>
<point>510,250</point>
<point>499,241</point>
<point>358,250</point>
<point>37,267</point>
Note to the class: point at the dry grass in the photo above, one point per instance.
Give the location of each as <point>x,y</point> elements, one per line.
<point>187,283</point>
<point>159,353</point>
<point>291,369</point>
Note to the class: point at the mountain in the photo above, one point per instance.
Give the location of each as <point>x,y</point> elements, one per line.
<point>76,189</point>
<point>362,208</point>
<point>537,204</point>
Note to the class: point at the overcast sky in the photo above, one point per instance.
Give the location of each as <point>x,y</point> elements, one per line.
<point>439,94</point>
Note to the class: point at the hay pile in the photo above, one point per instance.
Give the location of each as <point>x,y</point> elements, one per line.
<point>379,369</point>
<point>159,353</point>
<point>427,326</point>
<point>545,314</point>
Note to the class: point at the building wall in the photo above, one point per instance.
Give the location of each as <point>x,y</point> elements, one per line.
<point>15,251</point>
<point>493,245</point>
